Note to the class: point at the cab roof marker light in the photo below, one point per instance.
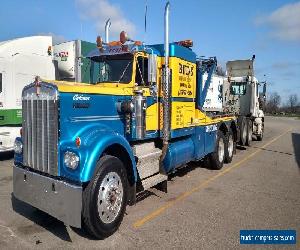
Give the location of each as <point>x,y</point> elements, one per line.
<point>124,37</point>
<point>186,43</point>
<point>99,43</point>
<point>138,43</point>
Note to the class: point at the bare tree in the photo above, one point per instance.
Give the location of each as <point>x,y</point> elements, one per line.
<point>293,101</point>
<point>273,102</point>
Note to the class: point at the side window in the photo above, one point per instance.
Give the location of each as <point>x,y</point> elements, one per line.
<point>141,72</point>
<point>0,82</point>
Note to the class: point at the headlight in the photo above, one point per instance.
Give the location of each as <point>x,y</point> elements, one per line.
<point>18,147</point>
<point>71,160</point>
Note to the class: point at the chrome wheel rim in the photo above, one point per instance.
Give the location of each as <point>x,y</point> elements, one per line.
<point>244,134</point>
<point>221,150</point>
<point>110,197</point>
<point>250,136</point>
<point>230,146</point>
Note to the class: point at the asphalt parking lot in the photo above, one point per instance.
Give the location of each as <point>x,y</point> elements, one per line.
<point>203,209</point>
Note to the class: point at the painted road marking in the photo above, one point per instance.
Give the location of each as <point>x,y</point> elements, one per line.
<point>184,195</point>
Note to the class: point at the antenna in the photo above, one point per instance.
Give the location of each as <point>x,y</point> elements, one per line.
<point>145,20</point>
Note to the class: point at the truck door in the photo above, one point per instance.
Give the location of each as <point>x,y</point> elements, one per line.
<point>150,93</point>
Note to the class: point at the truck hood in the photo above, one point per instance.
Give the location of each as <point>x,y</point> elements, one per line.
<point>103,88</point>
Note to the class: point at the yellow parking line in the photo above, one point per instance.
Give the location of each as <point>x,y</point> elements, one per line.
<point>163,208</point>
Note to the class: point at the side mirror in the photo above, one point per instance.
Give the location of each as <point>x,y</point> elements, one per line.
<point>152,68</point>
<point>265,89</point>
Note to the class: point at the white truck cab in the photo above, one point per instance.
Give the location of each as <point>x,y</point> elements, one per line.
<point>241,97</point>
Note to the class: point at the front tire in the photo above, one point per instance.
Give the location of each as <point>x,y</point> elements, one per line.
<point>216,158</point>
<point>105,198</point>
<point>260,137</point>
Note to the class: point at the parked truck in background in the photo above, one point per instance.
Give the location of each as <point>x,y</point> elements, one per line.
<point>71,62</point>
<point>87,149</point>
<point>241,97</point>
<point>236,93</point>
<point>24,58</point>
<point>21,60</point>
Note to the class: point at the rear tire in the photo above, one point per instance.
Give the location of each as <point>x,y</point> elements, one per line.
<point>249,133</point>
<point>105,198</point>
<point>229,147</point>
<point>243,131</point>
<point>216,158</point>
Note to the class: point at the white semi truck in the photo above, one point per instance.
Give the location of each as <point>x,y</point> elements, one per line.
<point>237,93</point>
<point>21,60</point>
<point>241,97</point>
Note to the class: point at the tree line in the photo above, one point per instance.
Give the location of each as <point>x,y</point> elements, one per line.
<point>274,104</point>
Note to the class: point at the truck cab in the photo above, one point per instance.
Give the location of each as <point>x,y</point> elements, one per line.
<point>241,97</point>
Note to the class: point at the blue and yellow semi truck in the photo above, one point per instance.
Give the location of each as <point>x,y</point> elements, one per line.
<point>86,150</point>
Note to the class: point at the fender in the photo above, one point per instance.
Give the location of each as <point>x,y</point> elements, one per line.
<point>94,141</point>
<point>101,141</point>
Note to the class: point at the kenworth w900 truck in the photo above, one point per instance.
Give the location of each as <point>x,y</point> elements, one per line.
<point>86,150</point>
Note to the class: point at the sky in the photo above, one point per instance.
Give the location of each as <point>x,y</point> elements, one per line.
<point>229,30</point>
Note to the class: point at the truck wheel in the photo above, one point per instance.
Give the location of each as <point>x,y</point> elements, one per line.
<point>260,137</point>
<point>249,133</point>
<point>105,198</point>
<point>243,130</point>
<point>216,159</point>
<point>229,147</point>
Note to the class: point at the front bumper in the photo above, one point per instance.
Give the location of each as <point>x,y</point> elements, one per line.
<point>57,198</point>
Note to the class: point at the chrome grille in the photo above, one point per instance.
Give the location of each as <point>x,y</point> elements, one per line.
<point>40,129</point>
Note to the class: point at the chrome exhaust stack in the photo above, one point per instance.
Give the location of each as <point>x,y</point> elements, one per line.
<point>166,87</point>
<point>166,81</point>
<point>107,26</point>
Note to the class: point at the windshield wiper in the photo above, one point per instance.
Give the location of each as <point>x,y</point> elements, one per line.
<point>122,75</point>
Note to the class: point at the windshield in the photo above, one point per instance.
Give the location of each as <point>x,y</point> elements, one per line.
<point>112,68</point>
<point>238,88</point>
